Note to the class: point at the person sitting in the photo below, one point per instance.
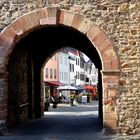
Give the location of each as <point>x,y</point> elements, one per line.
<point>63,99</point>
<point>72,96</point>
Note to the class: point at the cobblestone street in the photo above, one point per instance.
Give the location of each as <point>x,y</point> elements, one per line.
<point>63,123</point>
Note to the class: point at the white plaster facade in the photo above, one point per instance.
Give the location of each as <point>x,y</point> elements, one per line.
<point>92,73</point>
<point>75,69</point>
<point>63,66</point>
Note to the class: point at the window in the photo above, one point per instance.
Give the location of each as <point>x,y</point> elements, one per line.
<point>46,72</point>
<point>76,60</point>
<point>65,76</point>
<point>59,75</point>
<point>51,73</point>
<point>65,60</point>
<point>71,67</point>
<point>76,75</point>
<point>62,76</point>
<point>87,79</point>
<point>82,77</point>
<point>82,64</point>
<point>61,59</point>
<point>55,73</point>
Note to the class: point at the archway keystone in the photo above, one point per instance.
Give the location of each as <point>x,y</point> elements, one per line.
<point>54,16</point>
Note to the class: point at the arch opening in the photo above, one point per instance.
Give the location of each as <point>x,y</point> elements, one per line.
<point>25,65</point>
<point>21,49</point>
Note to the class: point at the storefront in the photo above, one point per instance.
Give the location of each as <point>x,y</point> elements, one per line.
<point>51,88</point>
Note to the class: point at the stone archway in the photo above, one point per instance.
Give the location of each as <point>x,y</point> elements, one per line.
<point>54,16</point>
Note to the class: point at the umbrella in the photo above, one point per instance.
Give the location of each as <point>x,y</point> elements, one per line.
<point>79,87</point>
<point>67,87</point>
<point>89,88</point>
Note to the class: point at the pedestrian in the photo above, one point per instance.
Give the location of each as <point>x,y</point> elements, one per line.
<point>54,101</point>
<point>72,96</point>
<point>88,97</point>
<point>47,103</point>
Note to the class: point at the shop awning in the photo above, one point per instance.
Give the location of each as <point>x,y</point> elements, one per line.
<point>53,83</point>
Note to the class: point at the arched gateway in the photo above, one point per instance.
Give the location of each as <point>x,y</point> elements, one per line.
<point>54,17</point>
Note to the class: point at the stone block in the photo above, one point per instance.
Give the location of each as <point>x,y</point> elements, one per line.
<point>43,16</point>
<point>93,32</point>
<point>2,41</point>
<point>111,116</point>
<point>6,38</point>
<point>9,33</point>
<point>48,16</point>
<point>34,18</point>
<point>26,23</point>
<point>99,39</point>
<point>111,92</point>
<point>43,21</point>
<point>51,20</point>
<point>110,60</point>
<point>108,107</point>
<point>52,11</point>
<point>112,124</point>
<point>85,25</point>
<point>78,18</point>
<point>68,18</point>
<point>61,16</point>
<point>17,27</point>
<point>42,13</point>
<point>105,46</point>
<point>101,7</point>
